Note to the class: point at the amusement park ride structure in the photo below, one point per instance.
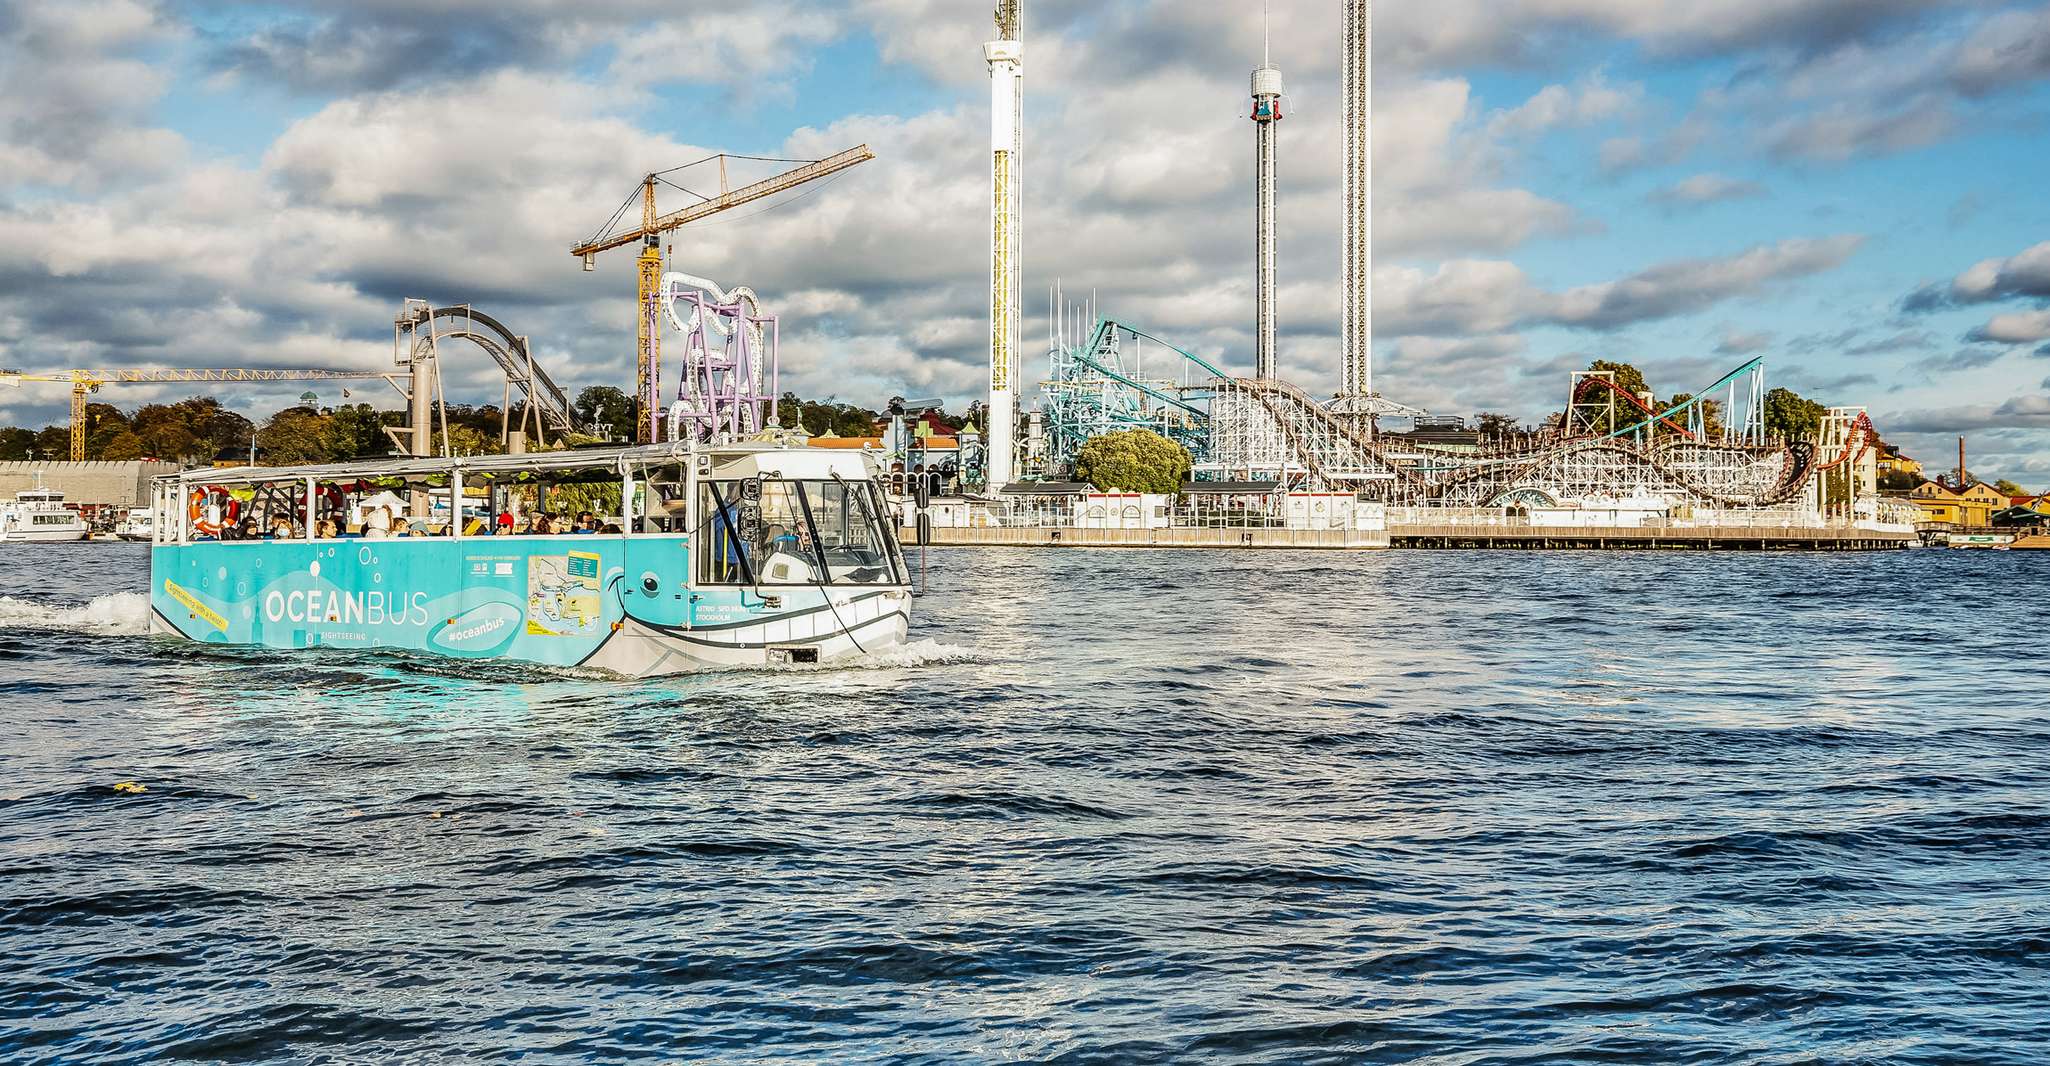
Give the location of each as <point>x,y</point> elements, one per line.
<point>1711,449</point>
<point>654,294</point>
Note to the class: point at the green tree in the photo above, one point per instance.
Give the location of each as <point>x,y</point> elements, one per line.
<point>574,497</point>
<point>816,417</point>
<point>2009,488</point>
<point>359,430</point>
<point>1711,415</point>
<point>1791,416</point>
<point>54,442</point>
<point>220,430</point>
<point>605,405</point>
<point>103,422</point>
<point>164,431</point>
<point>15,444</point>
<point>1628,379</point>
<point>1898,481</point>
<point>1493,425</point>
<point>463,439</point>
<point>1133,460</point>
<point>122,447</point>
<point>299,435</point>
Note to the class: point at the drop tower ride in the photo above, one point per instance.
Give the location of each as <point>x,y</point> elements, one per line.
<point>1266,114</point>
<point>1005,56</point>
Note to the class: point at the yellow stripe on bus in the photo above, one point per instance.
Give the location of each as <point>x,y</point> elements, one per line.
<point>198,609</point>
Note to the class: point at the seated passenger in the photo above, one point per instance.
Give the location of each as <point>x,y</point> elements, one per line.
<point>324,529</point>
<point>611,528</point>
<point>401,528</point>
<point>281,528</point>
<point>377,523</point>
<point>250,530</point>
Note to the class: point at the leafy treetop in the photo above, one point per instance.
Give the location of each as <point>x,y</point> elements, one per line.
<point>1133,460</point>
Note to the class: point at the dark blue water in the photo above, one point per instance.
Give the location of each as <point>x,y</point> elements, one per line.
<point>1125,806</point>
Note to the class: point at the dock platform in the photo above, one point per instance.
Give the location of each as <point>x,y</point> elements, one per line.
<point>1652,538</point>
<point>1432,536</point>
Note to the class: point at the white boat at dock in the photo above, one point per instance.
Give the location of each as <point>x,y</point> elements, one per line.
<point>138,524</point>
<point>38,515</point>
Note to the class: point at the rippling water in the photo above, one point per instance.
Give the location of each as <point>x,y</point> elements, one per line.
<point>1118,806</point>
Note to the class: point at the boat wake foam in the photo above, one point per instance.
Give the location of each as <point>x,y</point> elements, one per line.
<point>123,614</point>
<point>921,653</point>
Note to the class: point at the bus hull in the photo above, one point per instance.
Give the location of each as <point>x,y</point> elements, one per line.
<point>620,604</point>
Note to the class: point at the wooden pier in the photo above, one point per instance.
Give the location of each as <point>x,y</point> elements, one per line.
<point>1433,536</point>
<point>1651,538</point>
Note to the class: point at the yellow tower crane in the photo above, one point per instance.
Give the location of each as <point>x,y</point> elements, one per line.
<point>86,382</point>
<point>648,366</point>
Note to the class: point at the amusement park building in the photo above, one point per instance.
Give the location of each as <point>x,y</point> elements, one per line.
<point>1972,508</point>
<point>1893,461</point>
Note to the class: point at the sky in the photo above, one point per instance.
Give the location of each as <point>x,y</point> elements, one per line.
<point>1851,189</point>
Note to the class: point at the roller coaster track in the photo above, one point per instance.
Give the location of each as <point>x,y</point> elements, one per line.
<point>1861,437</point>
<point>1515,471</point>
<point>1334,453</point>
<point>510,352</point>
<point>1329,447</point>
<point>1631,398</point>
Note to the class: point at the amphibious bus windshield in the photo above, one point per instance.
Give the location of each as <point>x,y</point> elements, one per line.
<point>771,531</point>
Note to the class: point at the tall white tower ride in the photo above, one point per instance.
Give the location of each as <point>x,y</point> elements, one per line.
<point>1266,113</point>
<point>1005,56</point>
<point>1356,377</point>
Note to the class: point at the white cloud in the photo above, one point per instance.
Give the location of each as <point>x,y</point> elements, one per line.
<point>1589,101</point>
<point>76,87</point>
<point>1705,189</point>
<point>2025,327</point>
<point>1476,296</point>
<point>2025,274</point>
<point>1438,181</point>
<point>1743,342</point>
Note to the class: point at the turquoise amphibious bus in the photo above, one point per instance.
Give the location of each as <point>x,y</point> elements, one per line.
<point>690,557</point>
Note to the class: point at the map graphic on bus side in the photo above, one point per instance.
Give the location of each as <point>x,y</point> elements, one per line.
<point>562,595</point>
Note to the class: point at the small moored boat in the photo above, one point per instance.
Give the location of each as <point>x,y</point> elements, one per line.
<point>137,524</point>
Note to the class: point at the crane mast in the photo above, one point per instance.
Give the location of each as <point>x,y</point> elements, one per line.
<point>648,361</point>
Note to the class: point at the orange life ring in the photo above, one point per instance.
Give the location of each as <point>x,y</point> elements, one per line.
<point>196,516</point>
